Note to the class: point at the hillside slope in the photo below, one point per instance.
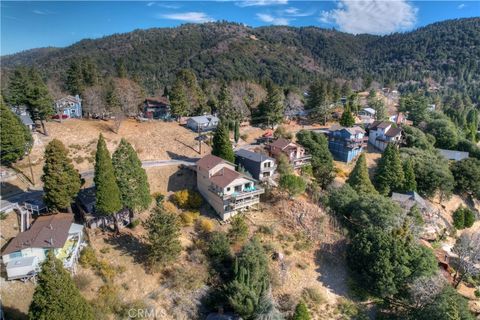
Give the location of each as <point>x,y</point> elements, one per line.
<point>447,52</point>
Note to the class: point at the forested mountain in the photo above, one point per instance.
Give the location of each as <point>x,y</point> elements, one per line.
<point>444,54</point>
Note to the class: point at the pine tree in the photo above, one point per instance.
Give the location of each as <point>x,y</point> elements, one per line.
<point>121,69</point>
<point>236,131</point>
<point>409,183</point>
<point>221,143</point>
<point>389,176</point>
<point>347,119</point>
<point>318,101</point>
<point>251,279</point>
<point>18,85</point>
<point>359,179</point>
<point>131,177</point>
<point>178,99</point>
<point>75,83</point>
<point>61,181</point>
<point>272,109</point>
<point>15,138</point>
<point>163,238</point>
<point>224,105</point>
<point>56,297</point>
<point>40,103</point>
<point>301,312</point>
<point>107,192</point>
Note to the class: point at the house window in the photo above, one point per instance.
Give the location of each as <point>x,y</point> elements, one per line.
<point>267,164</point>
<point>228,189</point>
<point>14,255</point>
<point>238,188</point>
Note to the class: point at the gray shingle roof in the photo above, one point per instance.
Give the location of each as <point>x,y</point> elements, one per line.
<point>254,156</point>
<point>26,120</point>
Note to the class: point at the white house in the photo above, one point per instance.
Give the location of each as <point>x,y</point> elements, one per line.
<point>381,133</point>
<point>225,189</point>
<point>24,254</point>
<point>203,123</point>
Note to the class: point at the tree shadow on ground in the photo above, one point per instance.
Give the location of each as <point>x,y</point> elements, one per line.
<point>331,265</point>
<point>11,313</point>
<point>130,245</point>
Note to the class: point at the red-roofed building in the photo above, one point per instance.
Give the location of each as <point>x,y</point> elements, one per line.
<point>295,153</point>
<point>225,189</point>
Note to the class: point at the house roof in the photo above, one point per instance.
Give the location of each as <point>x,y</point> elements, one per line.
<point>157,101</point>
<point>254,156</point>
<point>351,130</point>
<point>453,154</point>
<point>409,199</point>
<point>71,99</point>
<point>204,119</point>
<point>281,143</point>
<point>26,120</point>
<point>209,161</point>
<point>224,177</point>
<point>393,132</point>
<point>380,124</point>
<point>46,232</point>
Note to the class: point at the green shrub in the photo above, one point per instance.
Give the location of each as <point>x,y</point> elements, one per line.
<point>195,200</point>
<point>159,197</point>
<point>3,215</point>
<point>477,293</point>
<point>463,218</point>
<point>265,230</point>
<point>105,270</point>
<point>238,229</point>
<point>134,223</point>
<point>180,198</point>
<point>105,250</point>
<point>88,258</point>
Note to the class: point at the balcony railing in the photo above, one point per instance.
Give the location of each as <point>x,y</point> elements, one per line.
<point>243,203</point>
<point>239,194</point>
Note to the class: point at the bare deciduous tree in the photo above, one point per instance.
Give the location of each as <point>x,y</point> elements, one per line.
<point>467,249</point>
<point>129,94</point>
<point>424,290</point>
<point>94,101</point>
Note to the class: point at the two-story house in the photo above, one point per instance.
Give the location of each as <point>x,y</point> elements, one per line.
<point>157,108</point>
<point>260,166</point>
<point>24,254</point>
<point>69,107</point>
<point>225,189</point>
<point>381,133</point>
<point>295,153</point>
<point>346,144</point>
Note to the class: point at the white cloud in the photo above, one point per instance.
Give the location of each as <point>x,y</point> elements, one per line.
<point>150,4</point>
<point>373,16</point>
<point>273,20</point>
<point>260,3</point>
<point>461,6</point>
<point>295,12</point>
<point>196,17</point>
<point>43,12</point>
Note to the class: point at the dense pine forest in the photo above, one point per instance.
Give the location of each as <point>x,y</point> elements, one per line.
<point>440,57</point>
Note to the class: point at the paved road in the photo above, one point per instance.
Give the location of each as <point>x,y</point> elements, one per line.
<point>34,196</point>
<point>150,164</point>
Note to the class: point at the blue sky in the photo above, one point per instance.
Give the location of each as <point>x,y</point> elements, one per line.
<point>32,24</point>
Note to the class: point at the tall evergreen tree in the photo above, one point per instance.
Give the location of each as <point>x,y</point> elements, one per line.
<point>178,99</point>
<point>272,109</point>
<point>224,105</point>
<point>359,179</point>
<point>40,103</point>
<point>18,85</point>
<point>221,143</point>
<point>251,279</point>
<point>15,138</point>
<point>131,177</point>
<point>347,119</point>
<point>318,101</point>
<point>75,83</point>
<point>409,184</point>
<point>162,238</point>
<point>236,131</point>
<point>389,176</point>
<point>107,192</point>
<point>56,297</point>
<point>61,181</point>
